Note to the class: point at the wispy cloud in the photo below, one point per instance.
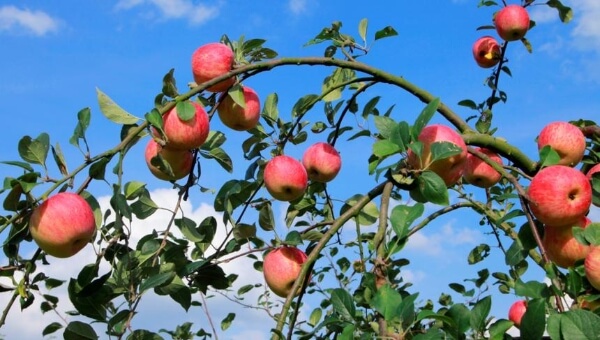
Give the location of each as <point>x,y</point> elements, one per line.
<point>587,25</point>
<point>39,23</point>
<point>440,242</point>
<point>298,6</point>
<point>194,13</point>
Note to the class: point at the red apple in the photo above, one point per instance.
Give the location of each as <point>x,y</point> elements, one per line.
<point>281,268</point>
<point>566,139</point>
<point>285,178</point>
<point>239,118</point>
<point>185,135</point>
<point>486,52</point>
<point>559,195</point>
<point>322,162</point>
<point>512,22</point>
<point>516,312</point>
<point>180,161</point>
<point>62,225</point>
<point>479,173</point>
<point>593,170</point>
<point>449,169</point>
<point>592,267</point>
<point>210,61</point>
<point>560,245</point>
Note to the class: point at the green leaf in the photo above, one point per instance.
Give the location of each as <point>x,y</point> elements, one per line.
<point>387,302</point>
<point>221,157</point>
<point>270,111</point>
<point>384,148</point>
<point>112,111</point>
<point>142,334</point>
<point>304,104</point>
<point>98,169</point>
<point>83,122</point>
<point>548,156</point>
<point>367,216</point>
<point>579,324</point>
<point>564,13</point>
<point>461,316</point>
<point>23,165</point>
<point>432,188</point>
<point>77,330</point>
<point>515,254</point>
<point>443,150</point>
<point>185,110</point>
<point>424,117</point>
<point>362,29</point>
<point>499,328</point>
<point>156,280</point>
<point>155,119</point>
<point>403,216</point>
<point>371,106</point>
<point>384,125</point>
<point>51,328</point>
<point>343,304</point>
<point>315,317</point>
<point>533,322</point>
<point>236,92</point>
<point>266,218</point>
<point>188,229</point>
<point>400,135</point>
<point>479,314</point>
<point>592,233</point>
<point>227,321</point>
<point>133,189</point>
<point>59,159</point>
<point>169,88</point>
<point>531,289</point>
<point>468,103</point>
<point>35,150</point>
<point>478,253</point>
<point>388,31</point>
<point>293,238</point>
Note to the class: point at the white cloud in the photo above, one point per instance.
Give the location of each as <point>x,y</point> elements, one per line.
<point>38,23</point>
<point>298,6</point>
<point>195,14</point>
<point>437,243</point>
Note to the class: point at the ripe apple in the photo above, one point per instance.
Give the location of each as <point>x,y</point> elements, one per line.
<point>516,312</point>
<point>62,225</point>
<point>486,52</point>
<point>559,195</point>
<point>449,169</point>
<point>185,135</point>
<point>512,22</point>
<point>592,267</point>
<point>236,117</point>
<point>566,139</point>
<point>479,173</point>
<point>560,245</point>
<point>210,61</point>
<point>322,162</point>
<point>180,161</point>
<point>281,268</point>
<point>593,170</point>
<point>285,178</point>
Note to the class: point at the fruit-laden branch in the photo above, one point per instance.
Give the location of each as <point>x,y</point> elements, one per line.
<point>312,257</point>
<point>507,150</point>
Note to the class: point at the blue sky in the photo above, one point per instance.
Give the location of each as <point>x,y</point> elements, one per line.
<point>56,53</point>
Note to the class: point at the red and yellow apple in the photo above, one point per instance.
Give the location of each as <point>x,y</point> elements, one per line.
<point>516,312</point>
<point>561,246</point>
<point>62,225</point>
<point>185,134</point>
<point>566,139</point>
<point>322,162</point>
<point>281,267</point>
<point>512,22</point>
<point>211,61</point>
<point>285,178</point>
<point>180,161</point>
<point>449,169</point>
<point>592,267</point>
<point>240,118</point>
<point>486,52</point>
<point>559,195</point>
<point>479,173</point>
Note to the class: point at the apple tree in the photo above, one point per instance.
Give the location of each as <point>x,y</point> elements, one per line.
<point>534,206</point>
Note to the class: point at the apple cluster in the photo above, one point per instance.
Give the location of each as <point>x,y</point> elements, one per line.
<point>511,23</point>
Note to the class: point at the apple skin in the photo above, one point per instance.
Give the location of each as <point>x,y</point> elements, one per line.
<point>281,267</point>
<point>181,161</point>
<point>322,162</point>
<point>62,225</point>
<point>285,178</point>
<point>561,247</point>
<point>449,169</point>
<point>185,135</point>
<point>566,139</point>
<point>559,195</point>
<point>210,61</point>
<point>236,117</point>
<point>486,52</point>
<point>479,173</point>
<point>512,22</point>
<point>516,312</point>
<point>593,170</point>
<point>592,267</point>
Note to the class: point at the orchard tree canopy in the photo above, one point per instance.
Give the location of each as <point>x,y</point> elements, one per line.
<point>253,172</point>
